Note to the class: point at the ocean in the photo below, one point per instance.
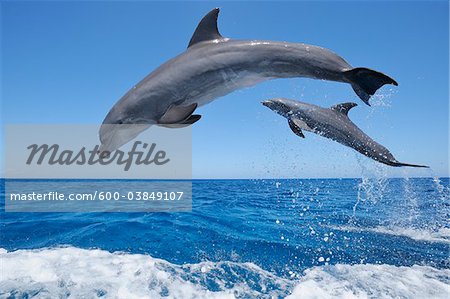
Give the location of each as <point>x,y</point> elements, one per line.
<point>296,238</point>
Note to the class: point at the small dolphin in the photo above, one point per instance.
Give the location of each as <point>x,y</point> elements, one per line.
<point>332,123</point>
<point>214,66</point>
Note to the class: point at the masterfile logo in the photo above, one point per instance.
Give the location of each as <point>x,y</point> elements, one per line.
<point>73,152</point>
<point>60,168</point>
<point>53,155</point>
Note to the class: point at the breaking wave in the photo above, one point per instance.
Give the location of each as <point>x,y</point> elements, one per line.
<point>64,272</point>
<point>441,235</point>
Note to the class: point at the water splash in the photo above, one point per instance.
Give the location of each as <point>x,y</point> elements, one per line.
<point>410,207</point>
<point>383,99</point>
<point>372,186</point>
<point>443,204</point>
<point>444,192</point>
<point>408,212</point>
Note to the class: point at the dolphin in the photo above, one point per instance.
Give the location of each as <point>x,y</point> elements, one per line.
<point>213,66</point>
<point>332,123</point>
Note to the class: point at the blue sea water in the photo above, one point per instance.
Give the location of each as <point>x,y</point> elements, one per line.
<point>299,238</point>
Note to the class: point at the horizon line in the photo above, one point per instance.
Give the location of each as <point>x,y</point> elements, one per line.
<point>228,179</point>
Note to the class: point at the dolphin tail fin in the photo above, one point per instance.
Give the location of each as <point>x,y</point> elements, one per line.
<point>399,164</point>
<point>366,82</point>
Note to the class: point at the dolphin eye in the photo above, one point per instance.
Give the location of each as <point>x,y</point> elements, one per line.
<point>120,122</point>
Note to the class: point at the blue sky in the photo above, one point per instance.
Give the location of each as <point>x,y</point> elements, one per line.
<point>69,62</point>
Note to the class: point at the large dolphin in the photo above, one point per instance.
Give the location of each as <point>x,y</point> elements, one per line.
<point>214,66</point>
<point>332,123</point>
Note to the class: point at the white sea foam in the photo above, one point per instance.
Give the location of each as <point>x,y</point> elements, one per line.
<point>81,273</point>
<point>441,235</point>
<point>373,281</point>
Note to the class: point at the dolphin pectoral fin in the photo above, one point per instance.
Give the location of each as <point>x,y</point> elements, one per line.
<point>343,108</point>
<point>175,126</point>
<point>206,29</point>
<point>296,129</point>
<point>366,82</point>
<point>192,119</point>
<point>177,114</point>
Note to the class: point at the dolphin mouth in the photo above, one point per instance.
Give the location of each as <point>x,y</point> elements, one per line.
<point>112,137</point>
<point>104,151</point>
<point>266,102</point>
<point>273,105</point>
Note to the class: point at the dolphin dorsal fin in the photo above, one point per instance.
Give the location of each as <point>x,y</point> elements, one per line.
<point>343,108</point>
<point>206,29</point>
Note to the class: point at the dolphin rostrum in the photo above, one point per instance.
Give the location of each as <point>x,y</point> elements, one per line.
<point>332,123</point>
<point>214,66</point>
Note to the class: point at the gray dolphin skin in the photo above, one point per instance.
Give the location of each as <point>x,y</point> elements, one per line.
<point>332,123</point>
<point>214,66</point>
